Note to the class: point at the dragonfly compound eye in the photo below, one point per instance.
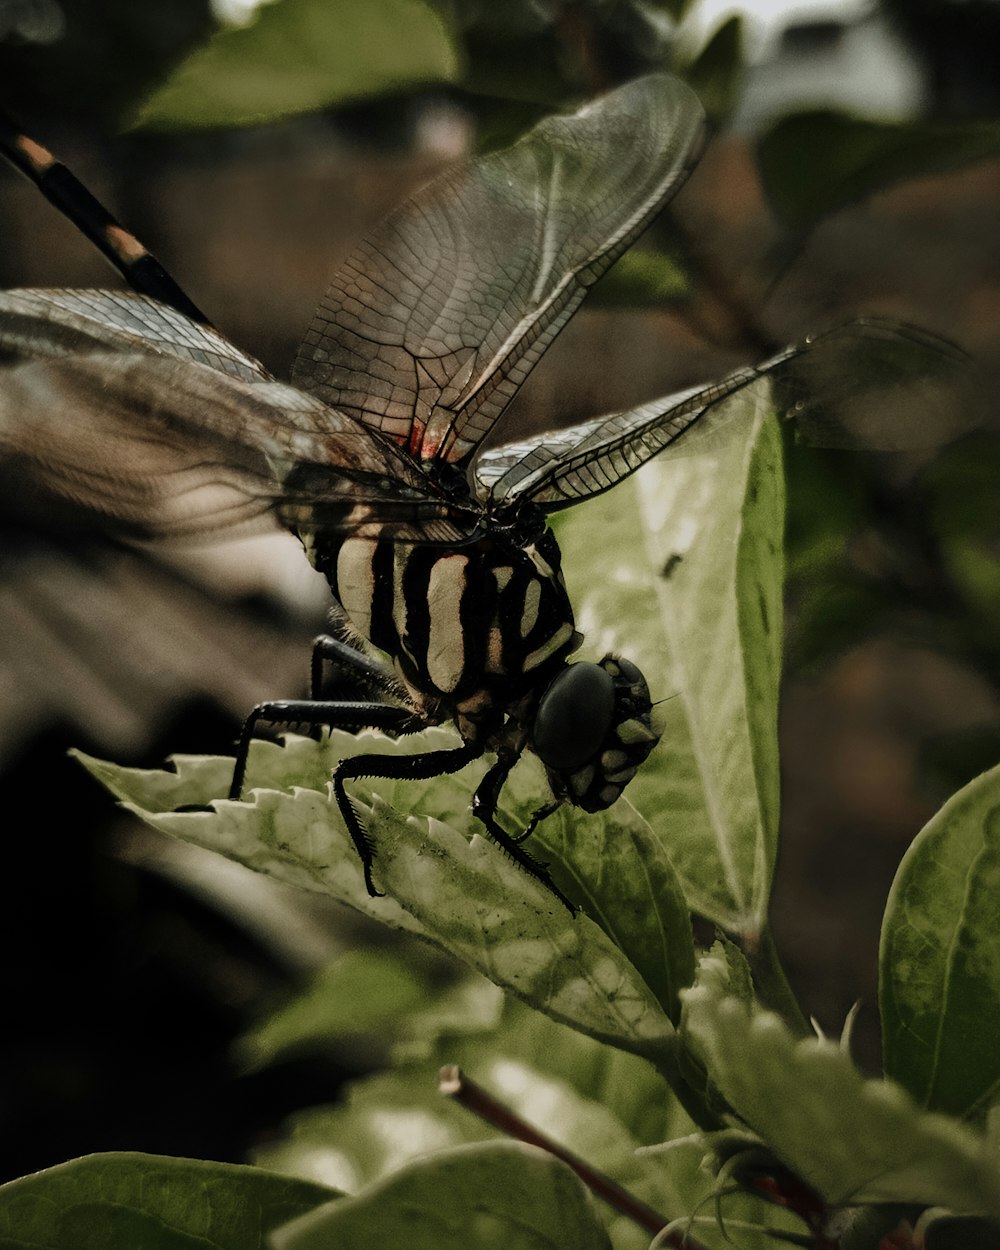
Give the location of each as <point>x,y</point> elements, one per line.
<point>593,729</point>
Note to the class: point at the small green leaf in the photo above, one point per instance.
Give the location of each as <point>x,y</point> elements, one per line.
<point>939,984</point>
<point>369,998</point>
<point>851,1139</point>
<point>500,1195</point>
<point>122,1201</point>
<point>814,163</point>
<point>301,55</point>
<point>379,1124</point>
<point>716,73</point>
<point>694,581</point>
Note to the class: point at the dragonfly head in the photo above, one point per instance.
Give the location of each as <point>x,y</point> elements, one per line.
<point>593,729</point>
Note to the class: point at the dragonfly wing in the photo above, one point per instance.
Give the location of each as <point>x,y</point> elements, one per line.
<point>433,323</point>
<point>55,323</point>
<point>160,447</point>
<point>825,385</point>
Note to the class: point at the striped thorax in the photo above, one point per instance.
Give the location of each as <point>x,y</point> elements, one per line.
<point>470,630</point>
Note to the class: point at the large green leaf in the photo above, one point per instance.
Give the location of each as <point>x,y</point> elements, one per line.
<point>463,895</point>
<point>614,864</point>
<point>851,1139</point>
<point>498,1195</point>
<point>814,163</point>
<point>124,1201</point>
<point>686,559</point>
<point>939,987</point>
<point>301,55</point>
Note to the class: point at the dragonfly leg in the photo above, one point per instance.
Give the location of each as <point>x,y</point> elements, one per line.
<point>394,768</point>
<point>545,810</point>
<point>319,713</point>
<point>374,677</point>
<point>484,807</point>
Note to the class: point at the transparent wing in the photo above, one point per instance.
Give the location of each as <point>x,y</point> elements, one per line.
<point>433,323</point>
<point>55,323</point>
<point>156,446</point>
<point>871,384</point>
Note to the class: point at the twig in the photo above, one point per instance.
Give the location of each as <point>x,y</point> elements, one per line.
<point>476,1099</point>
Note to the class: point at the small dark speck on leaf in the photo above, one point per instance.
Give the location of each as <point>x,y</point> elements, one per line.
<point>670,564</point>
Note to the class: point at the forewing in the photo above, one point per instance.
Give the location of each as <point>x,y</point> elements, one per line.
<point>54,323</point>
<point>433,323</point>
<point>868,384</point>
<point>155,446</point>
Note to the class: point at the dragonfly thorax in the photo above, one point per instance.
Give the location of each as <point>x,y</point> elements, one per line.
<point>471,630</point>
<point>481,635</point>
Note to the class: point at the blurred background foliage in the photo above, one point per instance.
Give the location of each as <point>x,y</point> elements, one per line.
<point>854,170</point>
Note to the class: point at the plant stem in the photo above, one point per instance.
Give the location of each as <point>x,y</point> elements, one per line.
<point>456,1085</point>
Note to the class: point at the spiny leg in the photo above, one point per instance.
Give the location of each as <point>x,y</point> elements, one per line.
<point>391,768</point>
<point>376,678</point>
<point>330,714</point>
<point>484,806</point>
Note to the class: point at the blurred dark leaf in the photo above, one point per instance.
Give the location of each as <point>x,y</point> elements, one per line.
<point>944,1231</point>
<point>951,760</point>
<point>302,55</point>
<point>968,533</point>
<point>514,17</point>
<point>716,73</point>
<point>831,607</point>
<point>814,163</point>
<point>105,55</point>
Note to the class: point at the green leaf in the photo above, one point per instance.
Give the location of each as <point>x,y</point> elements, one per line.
<point>939,987</point>
<point>388,1120</point>
<point>360,996</point>
<point>626,1085</point>
<point>381,1123</point>
<point>301,55</point>
<point>122,1201</point>
<point>716,73</point>
<point>851,1139</point>
<point>616,867</point>
<point>463,895</point>
<point>644,277</point>
<point>813,163</point>
<point>686,557</point>
<point>497,1194</point>
<point>377,1001</point>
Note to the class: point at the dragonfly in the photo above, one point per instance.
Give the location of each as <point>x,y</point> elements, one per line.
<point>449,595</point>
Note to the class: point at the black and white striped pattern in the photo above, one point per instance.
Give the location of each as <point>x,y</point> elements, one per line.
<point>470,629</point>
